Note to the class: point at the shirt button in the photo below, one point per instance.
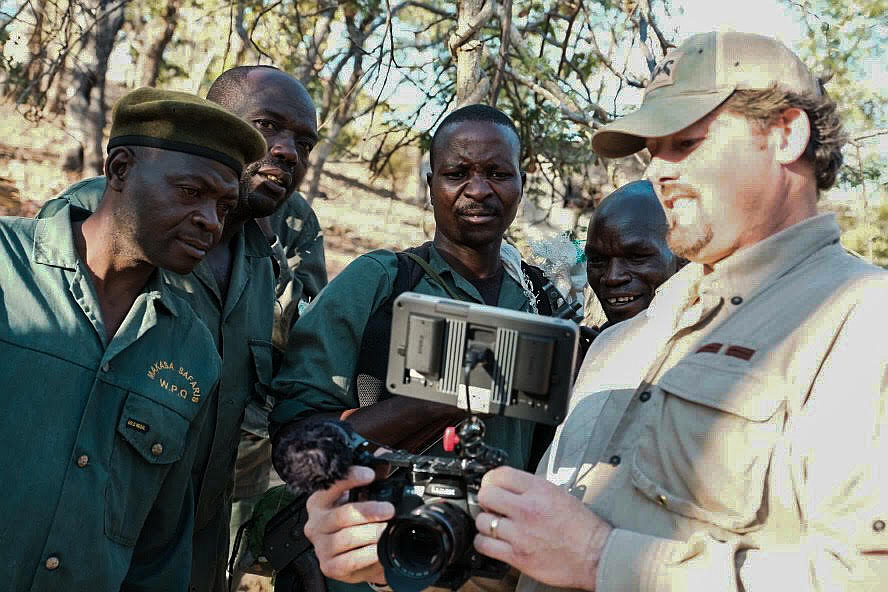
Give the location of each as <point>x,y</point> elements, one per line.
<point>736,300</point>
<point>614,460</point>
<point>105,367</point>
<point>644,396</point>
<point>879,525</point>
<point>661,499</point>
<point>52,562</point>
<point>82,460</point>
<point>157,449</point>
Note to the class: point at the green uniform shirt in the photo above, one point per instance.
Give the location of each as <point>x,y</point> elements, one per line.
<point>320,362</point>
<point>96,438</point>
<point>300,251</point>
<point>241,324</point>
<point>321,359</point>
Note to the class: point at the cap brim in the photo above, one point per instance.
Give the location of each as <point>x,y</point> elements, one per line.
<point>655,118</point>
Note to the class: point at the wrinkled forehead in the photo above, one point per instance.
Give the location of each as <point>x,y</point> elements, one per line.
<point>476,138</point>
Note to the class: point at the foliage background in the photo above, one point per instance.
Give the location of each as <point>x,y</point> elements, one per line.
<point>383,73</point>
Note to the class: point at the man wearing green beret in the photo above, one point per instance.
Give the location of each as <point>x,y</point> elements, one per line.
<point>233,290</point>
<point>110,375</point>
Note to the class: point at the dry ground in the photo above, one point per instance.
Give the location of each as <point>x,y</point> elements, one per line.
<point>354,221</point>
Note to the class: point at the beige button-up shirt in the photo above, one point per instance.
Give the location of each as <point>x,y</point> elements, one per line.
<point>735,434</point>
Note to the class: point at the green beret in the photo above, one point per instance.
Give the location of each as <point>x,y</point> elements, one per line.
<point>185,123</point>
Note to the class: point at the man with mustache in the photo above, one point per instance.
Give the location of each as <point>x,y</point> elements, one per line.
<point>732,436</point>
<point>109,374</point>
<point>475,185</point>
<point>233,291</point>
<point>627,257</point>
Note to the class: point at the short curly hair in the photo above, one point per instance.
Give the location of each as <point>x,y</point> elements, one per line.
<point>824,148</point>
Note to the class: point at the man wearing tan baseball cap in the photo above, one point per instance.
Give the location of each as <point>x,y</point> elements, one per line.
<point>733,435</point>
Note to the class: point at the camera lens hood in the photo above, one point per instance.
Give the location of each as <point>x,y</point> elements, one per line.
<point>416,548</point>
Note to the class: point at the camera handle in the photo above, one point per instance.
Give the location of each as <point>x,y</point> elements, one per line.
<point>468,438</point>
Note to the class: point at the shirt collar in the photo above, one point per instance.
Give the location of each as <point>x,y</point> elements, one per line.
<point>54,239</point>
<point>54,246</point>
<point>748,271</point>
<point>255,241</point>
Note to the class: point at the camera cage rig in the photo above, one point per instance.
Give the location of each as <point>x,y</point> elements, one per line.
<point>521,364</point>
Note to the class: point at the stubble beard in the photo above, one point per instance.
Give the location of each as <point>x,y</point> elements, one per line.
<point>688,242</point>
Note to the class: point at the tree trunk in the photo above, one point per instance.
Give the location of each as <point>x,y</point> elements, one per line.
<point>342,113</point>
<point>468,55</point>
<point>318,38</point>
<point>36,48</point>
<point>87,110</point>
<point>154,55</point>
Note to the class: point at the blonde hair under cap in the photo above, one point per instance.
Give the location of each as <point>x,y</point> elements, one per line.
<point>698,76</point>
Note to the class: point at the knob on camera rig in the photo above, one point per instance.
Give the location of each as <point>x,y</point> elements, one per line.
<point>480,358</point>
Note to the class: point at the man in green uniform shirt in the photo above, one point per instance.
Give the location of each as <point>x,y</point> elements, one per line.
<point>109,374</point>
<point>233,291</point>
<point>476,186</point>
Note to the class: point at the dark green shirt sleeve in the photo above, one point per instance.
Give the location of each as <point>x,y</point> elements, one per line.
<point>299,233</point>
<point>324,343</point>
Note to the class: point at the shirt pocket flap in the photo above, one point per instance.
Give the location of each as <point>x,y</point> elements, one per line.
<point>155,431</point>
<point>262,360</point>
<point>717,383</point>
<point>711,410</point>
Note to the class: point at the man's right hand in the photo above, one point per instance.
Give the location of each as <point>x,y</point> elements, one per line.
<point>345,534</point>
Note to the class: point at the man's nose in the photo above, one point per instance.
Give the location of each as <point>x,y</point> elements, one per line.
<point>616,273</point>
<point>283,146</point>
<point>207,218</point>
<point>477,187</point>
<point>660,171</point>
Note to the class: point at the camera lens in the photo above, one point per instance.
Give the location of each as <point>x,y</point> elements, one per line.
<point>423,543</point>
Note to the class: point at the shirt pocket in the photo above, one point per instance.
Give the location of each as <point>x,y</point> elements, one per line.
<point>150,437</point>
<point>263,354</point>
<point>706,450</point>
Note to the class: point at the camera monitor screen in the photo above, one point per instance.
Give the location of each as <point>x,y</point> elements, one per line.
<point>521,364</point>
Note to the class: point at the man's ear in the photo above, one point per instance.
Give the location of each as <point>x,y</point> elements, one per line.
<point>117,166</point>
<point>793,130</point>
<point>429,184</point>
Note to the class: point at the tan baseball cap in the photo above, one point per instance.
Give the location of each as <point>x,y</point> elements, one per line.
<point>697,77</point>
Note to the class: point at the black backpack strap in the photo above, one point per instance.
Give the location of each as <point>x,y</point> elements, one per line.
<point>373,355</point>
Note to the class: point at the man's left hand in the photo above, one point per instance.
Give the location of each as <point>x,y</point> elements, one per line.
<point>541,530</point>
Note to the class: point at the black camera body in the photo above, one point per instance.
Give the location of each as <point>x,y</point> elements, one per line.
<point>429,541</point>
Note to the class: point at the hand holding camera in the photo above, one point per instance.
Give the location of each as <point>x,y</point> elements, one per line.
<point>476,357</point>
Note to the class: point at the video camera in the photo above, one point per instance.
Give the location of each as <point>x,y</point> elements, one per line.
<point>480,358</point>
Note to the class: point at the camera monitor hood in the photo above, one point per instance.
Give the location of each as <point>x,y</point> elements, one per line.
<point>523,363</point>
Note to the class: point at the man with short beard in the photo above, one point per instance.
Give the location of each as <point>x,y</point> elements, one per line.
<point>733,435</point>
<point>233,290</point>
